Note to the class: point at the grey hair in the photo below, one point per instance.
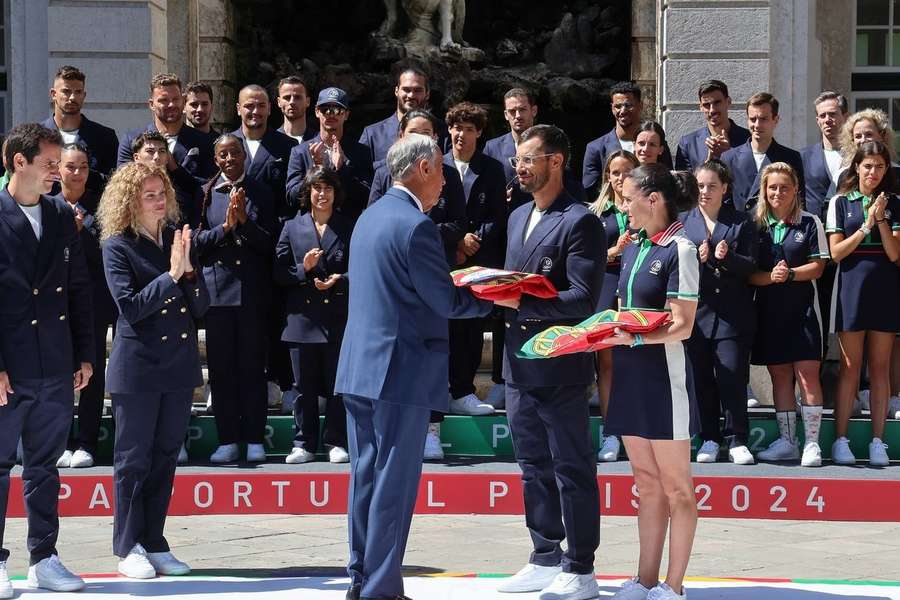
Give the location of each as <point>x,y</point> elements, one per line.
<point>409,151</point>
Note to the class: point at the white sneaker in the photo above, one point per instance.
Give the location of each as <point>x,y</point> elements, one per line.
<point>338,455</point>
<point>894,407</point>
<point>708,452</point>
<point>812,455</point>
<point>631,590</point>
<point>256,453</point>
<point>225,453</point>
<point>6,588</point>
<point>299,456</point>
<point>571,586</point>
<point>470,405</point>
<point>288,399</point>
<point>81,459</point>
<point>497,396</point>
<point>273,393</point>
<point>878,453</point>
<point>530,578</point>
<point>64,461</point>
<point>609,450</point>
<point>137,564</point>
<point>433,448</point>
<point>165,563</point>
<point>841,453</point>
<point>780,449</point>
<point>664,592</point>
<point>51,574</point>
<point>182,455</point>
<point>741,455</point>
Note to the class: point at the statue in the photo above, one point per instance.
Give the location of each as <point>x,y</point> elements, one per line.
<point>422,37</point>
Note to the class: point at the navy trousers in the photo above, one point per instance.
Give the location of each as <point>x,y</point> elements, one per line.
<point>552,441</point>
<point>466,343</point>
<point>314,368</point>
<point>90,401</point>
<point>150,427</point>
<point>40,412</point>
<point>721,371</point>
<point>386,446</point>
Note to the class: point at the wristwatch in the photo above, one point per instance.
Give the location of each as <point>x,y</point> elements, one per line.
<point>791,275</point>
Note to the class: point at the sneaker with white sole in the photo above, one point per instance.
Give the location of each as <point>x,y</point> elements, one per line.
<point>64,461</point>
<point>182,455</point>
<point>497,396</point>
<point>338,455</point>
<point>6,588</point>
<point>664,592</point>
<point>299,456</point>
<point>894,407</point>
<point>256,453</point>
<point>780,449</point>
<point>841,453</point>
<point>470,405</point>
<point>165,563</point>
<point>433,448</point>
<point>81,459</point>
<point>878,456</point>
<point>812,455</point>
<point>741,455</point>
<point>530,578</point>
<point>631,590</point>
<point>571,586</point>
<point>708,452</point>
<point>225,453</point>
<point>137,564</point>
<point>609,450</point>
<point>51,574</point>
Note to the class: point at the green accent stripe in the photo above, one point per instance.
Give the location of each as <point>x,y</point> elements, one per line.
<point>641,256</point>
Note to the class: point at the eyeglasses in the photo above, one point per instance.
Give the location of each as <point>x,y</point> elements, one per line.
<point>332,110</point>
<point>527,160</point>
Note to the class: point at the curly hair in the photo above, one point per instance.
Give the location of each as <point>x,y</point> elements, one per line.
<point>467,112</point>
<point>762,204</point>
<point>882,123</point>
<point>120,206</point>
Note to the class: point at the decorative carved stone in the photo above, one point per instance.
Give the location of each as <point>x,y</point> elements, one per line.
<point>434,25</point>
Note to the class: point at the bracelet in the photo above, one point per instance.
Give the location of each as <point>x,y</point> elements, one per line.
<point>791,274</point>
<point>638,340</point>
<point>865,230</point>
<point>881,220</point>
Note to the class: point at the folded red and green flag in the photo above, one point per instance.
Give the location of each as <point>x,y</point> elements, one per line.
<point>498,284</point>
<point>591,334</point>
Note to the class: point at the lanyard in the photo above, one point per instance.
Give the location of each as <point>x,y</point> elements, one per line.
<point>621,219</point>
<point>646,244</point>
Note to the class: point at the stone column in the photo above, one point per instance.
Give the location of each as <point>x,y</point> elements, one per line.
<point>27,61</point>
<point>644,55</point>
<point>182,47</point>
<point>216,64</point>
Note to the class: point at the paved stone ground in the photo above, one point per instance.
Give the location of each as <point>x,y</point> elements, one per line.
<point>490,544</point>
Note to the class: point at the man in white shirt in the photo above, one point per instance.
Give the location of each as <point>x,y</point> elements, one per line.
<point>293,101</point>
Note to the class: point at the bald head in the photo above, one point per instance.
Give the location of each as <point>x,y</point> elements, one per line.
<point>253,108</point>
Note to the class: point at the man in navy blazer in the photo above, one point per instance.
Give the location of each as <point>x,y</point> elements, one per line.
<point>718,136</point>
<point>293,100</point>
<point>747,161</point>
<point>822,160</point>
<point>546,400</point>
<point>47,324</point>
<point>393,364</point>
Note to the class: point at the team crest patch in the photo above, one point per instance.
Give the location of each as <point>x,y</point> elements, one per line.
<point>546,263</point>
<point>655,267</point>
<point>799,236</point>
<point>276,173</point>
<point>339,255</point>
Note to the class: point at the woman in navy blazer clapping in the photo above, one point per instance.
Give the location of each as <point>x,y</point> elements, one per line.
<point>154,364</point>
<point>311,261</point>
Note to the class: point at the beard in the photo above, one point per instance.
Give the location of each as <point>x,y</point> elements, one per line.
<point>537,182</point>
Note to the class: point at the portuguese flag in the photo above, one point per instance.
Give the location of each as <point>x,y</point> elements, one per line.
<point>498,284</point>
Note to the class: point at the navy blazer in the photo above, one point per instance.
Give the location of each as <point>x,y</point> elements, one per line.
<point>379,137</point>
<point>484,187</point>
<point>155,346</point>
<point>744,189</point>
<point>568,246</point>
<point>692,150</point>
<point>270,167</point>
<point>193,151</point>
<point>46,317</point>
<point>355,173</point>
<point>396,346</point>
<point>595,158</point>
<point>449,213</point>
<point>819,186</point>
<point>725,309</point>
<point>237,265</point>
<point>312,130</point>
<point>101,142</point>
<point>313,316</point>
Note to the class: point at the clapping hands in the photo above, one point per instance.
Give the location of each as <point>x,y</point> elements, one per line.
<point>180,257</point>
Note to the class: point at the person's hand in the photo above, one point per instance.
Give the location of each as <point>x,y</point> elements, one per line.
<point>83,376</point>
<point>721,250</point>
<point>5,388</point>
<point>317,151</point>
<point>231,218</point>
<point>623,241</point>
<point>620,338</point>
<point>311,259</point>
<point>703,252</point>
<point>186,249</point>
<point>880,206</point>
<point>460,256</point>
<point>171,165</point>
<point>79,219</point>
<point>780,272</point>
<point>336,153</point>
<point>238,199</point>
<point>513,303</point>
<point>176,258</point>
<point>717,145</point>
<point>327,283</point>
<point>470,244</point>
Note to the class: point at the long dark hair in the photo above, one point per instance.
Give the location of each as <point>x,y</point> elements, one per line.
<point>417,113</point>
<point>657,178</point>
<point>887,184</point>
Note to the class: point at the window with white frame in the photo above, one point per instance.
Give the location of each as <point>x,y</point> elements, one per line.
<point>876,58</point>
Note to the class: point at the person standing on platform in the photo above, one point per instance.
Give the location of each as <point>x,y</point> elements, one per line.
<point>652,404</point>
<point>864,237</point>
<point>718,136</point>
<point>793,253</point>
<point>293,101</point>
<point>154,365</point>
<point>393,362</point>
<point>235,248</point>
<point>311,263</point>
<point>547,400</point>
<point>47,324</point>
<point>84,203</point>
<point>610,207</point>
<point>727,242</point>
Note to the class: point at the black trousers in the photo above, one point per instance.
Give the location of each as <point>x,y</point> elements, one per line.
<point>552,441</point>
<point>150,427</point>
<point>315,367</point>
<point>40,412</point>
<point>90,402</point>
<point>498,335</point>
<point>721,372</point>
<point>824,287</point>
<point>278,359</point>
<point>466,343</point>
<point>235,353</point>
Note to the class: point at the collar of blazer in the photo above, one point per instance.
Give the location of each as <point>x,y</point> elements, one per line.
<point>17,221</point>
<point>550,220</point>
<point>50,216</point>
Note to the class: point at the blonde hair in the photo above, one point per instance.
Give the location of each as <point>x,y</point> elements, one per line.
<point>881,122</point>
<point>762,204</point>
<point>607,193</point>
<point>120,206</point>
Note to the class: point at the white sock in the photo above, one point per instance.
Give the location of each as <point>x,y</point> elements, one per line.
<point>787,425</point>
<point>812,421</point>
